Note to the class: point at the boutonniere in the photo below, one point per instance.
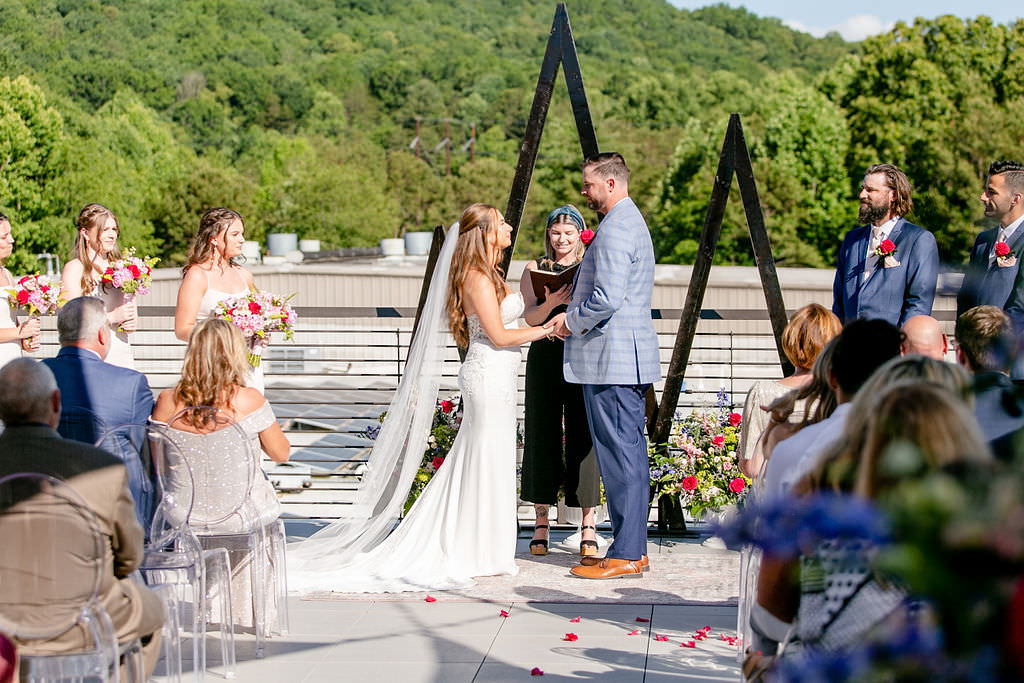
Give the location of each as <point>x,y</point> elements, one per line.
<point>587,236</point>
<point>887,252</point>
<point>1005,258</point>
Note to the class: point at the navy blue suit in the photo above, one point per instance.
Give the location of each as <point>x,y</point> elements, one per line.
<point>893,294</point>
<point>115,396</point>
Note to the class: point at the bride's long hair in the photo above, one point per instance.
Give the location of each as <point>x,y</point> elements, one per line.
<point>472,253</point>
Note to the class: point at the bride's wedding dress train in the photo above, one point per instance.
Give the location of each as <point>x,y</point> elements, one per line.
<point>464,522</point>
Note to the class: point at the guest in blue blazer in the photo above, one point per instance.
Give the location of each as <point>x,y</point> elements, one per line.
<point>888,267</point>
<point>96,396</point>
<point>611,349</point>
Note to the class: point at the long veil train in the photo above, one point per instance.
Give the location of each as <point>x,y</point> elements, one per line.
<point>398,449</point>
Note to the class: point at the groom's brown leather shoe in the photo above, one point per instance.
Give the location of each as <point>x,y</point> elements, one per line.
<point>645,564</point>
<point>609,568</point>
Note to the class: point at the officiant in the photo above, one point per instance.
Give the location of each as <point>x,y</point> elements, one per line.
<point>551,462</point>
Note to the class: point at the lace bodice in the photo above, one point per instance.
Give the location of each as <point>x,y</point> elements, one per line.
<point>511,308</point>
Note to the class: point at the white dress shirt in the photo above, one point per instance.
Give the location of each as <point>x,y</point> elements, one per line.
<point>798,455</point>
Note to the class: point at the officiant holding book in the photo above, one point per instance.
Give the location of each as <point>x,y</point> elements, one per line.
<point>550,400</point>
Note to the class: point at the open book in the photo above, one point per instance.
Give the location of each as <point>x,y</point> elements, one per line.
<point>554,281</point>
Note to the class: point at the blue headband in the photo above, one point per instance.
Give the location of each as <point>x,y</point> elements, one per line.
<point>569,211</point>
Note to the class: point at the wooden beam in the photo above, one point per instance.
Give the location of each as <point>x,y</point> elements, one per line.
<point>574,80</point>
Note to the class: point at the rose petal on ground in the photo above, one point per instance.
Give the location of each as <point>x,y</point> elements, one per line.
<point>634,633</point>
<point>643,620</point>
<point>535,671</point>
<point>571,637</point>
<point>706,629</point>
<point>661,638</point>
<point>430,598</point>
<point>503,613</point>
<point>575,620</point>
<point>688,643</point>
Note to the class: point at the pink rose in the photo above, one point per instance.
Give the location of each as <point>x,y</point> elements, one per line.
<point>718,441</point>
<point>737,485</point>
<point>689,483</point>
<point>735,419</point>
<point>587,236</point>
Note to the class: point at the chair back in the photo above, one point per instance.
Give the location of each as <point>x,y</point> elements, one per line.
<point>53,562</point>
<point>81,424</point>
<point>174,487</point>
<point>223,465</point>
<point>128,443</point>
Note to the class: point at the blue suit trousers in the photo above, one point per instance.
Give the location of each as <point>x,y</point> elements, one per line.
<point>616,416</point>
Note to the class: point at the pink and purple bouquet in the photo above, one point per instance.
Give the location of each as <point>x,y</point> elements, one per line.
<point>131,274</point>
<point>257,314</point>
<point>37,295</point>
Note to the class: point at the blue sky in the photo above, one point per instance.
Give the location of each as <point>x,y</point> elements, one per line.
<point>855,21</point>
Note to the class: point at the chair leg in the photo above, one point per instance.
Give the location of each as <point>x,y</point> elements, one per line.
<point>219,560</point>
<point>258,593</point>
<point>280,568</point>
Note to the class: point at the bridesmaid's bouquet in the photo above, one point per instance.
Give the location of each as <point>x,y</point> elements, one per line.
<point>37,295</point>
<point>257,314</point>
<point>131,274</point>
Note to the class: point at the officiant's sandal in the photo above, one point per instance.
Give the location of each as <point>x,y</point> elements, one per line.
<point>539,546</point>
<point>588,548</point>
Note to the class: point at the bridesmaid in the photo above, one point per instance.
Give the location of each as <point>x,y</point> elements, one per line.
<point>95,248</point>
<point>11,333</point>
<point>210,275</point>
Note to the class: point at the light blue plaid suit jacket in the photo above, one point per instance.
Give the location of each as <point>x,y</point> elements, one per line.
<point>613,339</point>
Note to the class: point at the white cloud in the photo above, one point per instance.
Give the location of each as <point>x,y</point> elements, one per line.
<point>853,28</point>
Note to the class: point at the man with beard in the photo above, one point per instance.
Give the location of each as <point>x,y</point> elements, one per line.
<point>887,268</point>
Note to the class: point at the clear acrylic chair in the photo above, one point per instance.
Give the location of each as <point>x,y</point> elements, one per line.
<point>231,512</point>
<point>47,527</point>
<point>174,555</point>
<point>129,444</point>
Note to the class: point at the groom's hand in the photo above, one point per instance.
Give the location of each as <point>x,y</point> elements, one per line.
<point>559,329</point>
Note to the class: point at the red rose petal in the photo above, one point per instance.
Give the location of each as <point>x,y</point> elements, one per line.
<point>535,671</point>
<point>430,598</point>
<point>575,620</point>
<point>706,629</point>
<point>634,633</point>
<point>571,637</point>
<point>688,643</point>
<point>643,620</point>
<point>661,638</point>
<point>503,613</point>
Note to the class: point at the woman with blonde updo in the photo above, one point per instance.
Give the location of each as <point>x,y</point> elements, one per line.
<point>210,275</point>
<point>95,247</point>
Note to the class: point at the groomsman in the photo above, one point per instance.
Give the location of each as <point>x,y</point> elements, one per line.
<point>888,267</point>
<point>994,262</point>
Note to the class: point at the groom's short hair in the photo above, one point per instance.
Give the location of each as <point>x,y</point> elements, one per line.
<point>862,347</point>
<point>608,165</point>
<point>80,318</point>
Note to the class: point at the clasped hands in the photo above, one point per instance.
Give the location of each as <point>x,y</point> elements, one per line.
<point>556,327</point>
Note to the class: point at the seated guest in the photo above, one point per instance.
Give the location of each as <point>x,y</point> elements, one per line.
<point>985,346</point>
<point>30,409</point>
<point>810,328</point>
<point>214,374</point>
<point>116,396</point>
<point>922,335</point>
<point>861,347</point>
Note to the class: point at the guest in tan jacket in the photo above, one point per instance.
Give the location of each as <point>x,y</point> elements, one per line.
<point>30,410</point>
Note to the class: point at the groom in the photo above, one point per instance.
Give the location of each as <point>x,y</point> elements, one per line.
<point>612,350</point>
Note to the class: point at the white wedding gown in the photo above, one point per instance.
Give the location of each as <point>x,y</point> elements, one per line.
<point>464,522</point>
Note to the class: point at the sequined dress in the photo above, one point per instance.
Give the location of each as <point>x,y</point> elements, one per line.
<point>464,522</point>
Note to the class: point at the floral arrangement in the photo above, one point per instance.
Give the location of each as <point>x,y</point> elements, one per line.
<point>38,295</point>
<point>443,428</point>
<point>258,314</point>
<point>699,462</point>
<point>131,274</point>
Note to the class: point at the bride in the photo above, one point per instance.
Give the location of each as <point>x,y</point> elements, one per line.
<point>464,523</point>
